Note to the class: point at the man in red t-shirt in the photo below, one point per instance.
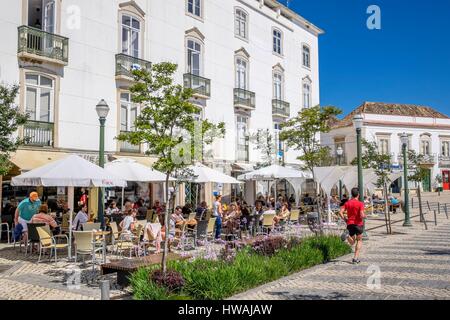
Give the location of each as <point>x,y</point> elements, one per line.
<point>355,222</point>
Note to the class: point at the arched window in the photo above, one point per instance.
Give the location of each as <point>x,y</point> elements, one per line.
<point>425,144</point>
<point>39,100</point>
<point>241,73</point>
<point>306,56</point>
<point>307,97</point>
<point>131,33</point>
<point>241,23</point>
<point>194,57</point>
<point>277,41</point>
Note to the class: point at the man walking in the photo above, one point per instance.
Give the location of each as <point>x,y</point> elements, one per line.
<point>355,222</point>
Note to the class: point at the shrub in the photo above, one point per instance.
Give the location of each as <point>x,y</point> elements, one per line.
<point>173,281</point>
<point>268,246</point>
<point>218,279</point>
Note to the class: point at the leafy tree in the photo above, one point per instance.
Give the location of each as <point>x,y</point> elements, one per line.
<point>417,173</point>
<point>168,127</point>
<point>10,120</point>
<point>381,165</point>
<point>302,133</point>
<point>264,142</point>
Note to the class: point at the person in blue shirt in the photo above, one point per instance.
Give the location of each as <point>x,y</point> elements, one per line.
<point>26,210</point>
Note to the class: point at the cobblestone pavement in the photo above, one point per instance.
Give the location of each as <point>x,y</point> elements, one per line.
<point>414,263</point>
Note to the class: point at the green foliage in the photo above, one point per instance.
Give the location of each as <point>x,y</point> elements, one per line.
<point>416,172</point>
<point>207,279</point>
<point>10,120</point>
<point>264,142</point>
<point>379,162</point>
<point>167,121</point>
<point>303,133</point>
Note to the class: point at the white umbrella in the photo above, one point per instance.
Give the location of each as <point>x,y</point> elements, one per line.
<point>131,170</point>
<point>273,172</point>
<point>205,174</point>
<point>72,171</point>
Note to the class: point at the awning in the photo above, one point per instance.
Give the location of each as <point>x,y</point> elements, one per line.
<point>144,160</point>
<point>27,160</point>
<point>242,167</point>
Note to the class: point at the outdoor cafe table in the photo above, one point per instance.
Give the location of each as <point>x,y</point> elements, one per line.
<point>103,235</point>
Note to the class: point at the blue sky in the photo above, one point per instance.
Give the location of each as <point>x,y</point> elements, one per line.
<point>407,61</point>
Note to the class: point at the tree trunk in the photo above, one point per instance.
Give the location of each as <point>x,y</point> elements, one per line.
<point>167,227</point>
<point>419,196</point>
<point>387,217</point>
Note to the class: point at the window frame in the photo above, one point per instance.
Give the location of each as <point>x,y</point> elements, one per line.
<point>306,82</point>
<point>201,55</point>
<point>236,72</point>
<point>246,136</point>
<point>238,21</point>
<point>130,105</point>
<point>38,87</point>
<point>192,14</point>
<point>130,30</point>
<point>274,44</point>
<point>306,46</point>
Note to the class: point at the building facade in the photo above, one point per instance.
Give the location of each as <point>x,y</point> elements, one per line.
<point>428,131</point>
<point>251,63</point>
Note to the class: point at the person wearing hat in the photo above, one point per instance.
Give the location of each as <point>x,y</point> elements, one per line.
<point>26,210</point>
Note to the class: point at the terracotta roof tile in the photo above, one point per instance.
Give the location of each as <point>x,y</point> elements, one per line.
<point>392,109</point>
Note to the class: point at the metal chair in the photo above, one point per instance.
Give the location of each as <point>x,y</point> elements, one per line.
<point>5,224</point>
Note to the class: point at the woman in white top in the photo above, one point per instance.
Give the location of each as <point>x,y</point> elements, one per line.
<point>80,218</point>
<point>127,224</point>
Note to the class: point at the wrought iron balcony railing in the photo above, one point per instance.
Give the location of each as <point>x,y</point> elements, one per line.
<point>40,43</point>
<point>126,64</point>
<point>38,133</point>
<point>244,98</point>
<point>280,108</point>
<point>127,147</point>
<point>426,158</point>
<point>200,85</point>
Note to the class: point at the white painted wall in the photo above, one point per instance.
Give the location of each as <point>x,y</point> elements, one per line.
<point>90,73</point>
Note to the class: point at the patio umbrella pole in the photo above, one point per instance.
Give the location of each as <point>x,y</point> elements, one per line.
<point>123,196</point>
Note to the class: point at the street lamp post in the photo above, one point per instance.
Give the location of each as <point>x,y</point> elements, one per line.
<point>340,153</point>
<point>102,109</point>
<point>358,124</point>
<point>404,139</point>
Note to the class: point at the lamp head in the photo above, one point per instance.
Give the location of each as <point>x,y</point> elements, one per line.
<point>339,151</point>
<point>358,121</point>
<point>102,109</point>
<point>404,139</point>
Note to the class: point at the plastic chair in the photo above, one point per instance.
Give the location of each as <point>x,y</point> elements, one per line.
<point>89,226</point>
<point>85,245</point>
<point>267,222</point>
<point>49,242</point>
<point>211,225</point>
<point>294,216</point>
<point>33,235</point>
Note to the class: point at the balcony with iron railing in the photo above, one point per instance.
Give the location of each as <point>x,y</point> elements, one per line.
<point>39,134</point>
<point>280,108</point>
<point>126,147</point>
<point>244,99</point>
<point>125,64</point>
<point>35,44</point>
<point>201,86</point>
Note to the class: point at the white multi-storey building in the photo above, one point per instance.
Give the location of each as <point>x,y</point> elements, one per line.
<point>384,123</point>
<point>252,64</point>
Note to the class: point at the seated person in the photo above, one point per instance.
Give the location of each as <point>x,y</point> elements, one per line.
<point>334,202</point>
<point>128,223</point>
<point>231,218</point>
<point>307,200</point>
<point>200,212</point>
<point>44,217</point>
<point>80,218</point>
<point>187,210</point>
<point>394,204</point>
<point>177,216</point>
<point>112,209</point>
<point>282,215</point>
